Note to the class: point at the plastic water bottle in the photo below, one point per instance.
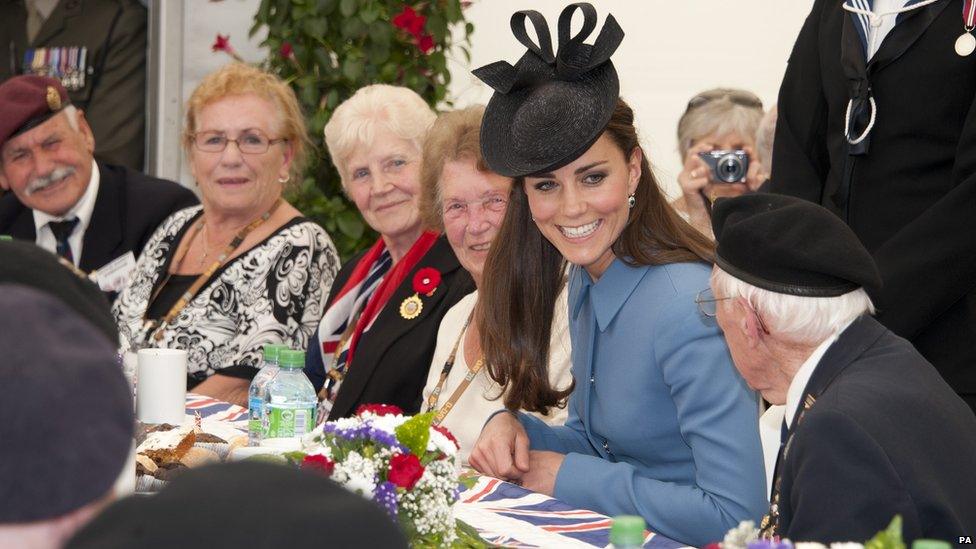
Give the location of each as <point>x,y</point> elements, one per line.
<point>290,398</point>
<point>627,532</point>
<point>257,422</point>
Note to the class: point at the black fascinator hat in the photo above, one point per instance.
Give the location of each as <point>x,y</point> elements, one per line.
<point>549,109</point>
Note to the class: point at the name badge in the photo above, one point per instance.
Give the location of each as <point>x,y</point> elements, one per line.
<point>114,276</point>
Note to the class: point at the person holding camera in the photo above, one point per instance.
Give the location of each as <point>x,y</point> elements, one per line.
<point>716,139</point>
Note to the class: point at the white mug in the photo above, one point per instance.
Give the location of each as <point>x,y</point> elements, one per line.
<point>161,390</point>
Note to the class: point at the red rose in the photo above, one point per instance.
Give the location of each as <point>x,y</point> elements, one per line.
<point>410,21</point>
<point>442,430</point>
<point>286,50</point>
<point>379,409</point>
<point>426,280</point>
<point>426,43</point>
<point>405,470</point>
<point>319,464</point>
<point>222,43</point>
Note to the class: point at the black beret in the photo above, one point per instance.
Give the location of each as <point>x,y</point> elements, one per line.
<point>23,262</point>
<point>27,101</point>
<point>66,409</point>
<point>790,246</point>
<point>245,504</point>
<point>549,109</point>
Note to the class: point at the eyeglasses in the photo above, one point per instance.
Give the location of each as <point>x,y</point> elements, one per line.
<point>737,97</point>
<point>707,305</point>
<point>248,142</point>
<point>455,209</point>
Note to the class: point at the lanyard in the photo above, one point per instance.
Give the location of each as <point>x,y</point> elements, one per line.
<point>187,297</point>
<point>445,371</point>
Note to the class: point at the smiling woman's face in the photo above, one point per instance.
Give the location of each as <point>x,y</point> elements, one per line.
<point>582,207</point>
<point>383,180</point>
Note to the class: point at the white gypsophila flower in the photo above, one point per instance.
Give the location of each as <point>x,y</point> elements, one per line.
<point>740,536</point>
<point>439,442</point>
<point>809,545</point>
<point>843,545</point>
<point>429,505</point>
<point>357,474</point>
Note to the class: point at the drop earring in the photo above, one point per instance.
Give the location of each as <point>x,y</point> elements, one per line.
<point>631,200</point>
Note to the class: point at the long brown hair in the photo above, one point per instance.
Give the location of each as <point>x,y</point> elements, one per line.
<point>524,274</point>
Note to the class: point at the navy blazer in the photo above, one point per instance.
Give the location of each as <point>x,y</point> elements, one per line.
<point>392,358</point>
<point>129,207</point>
<point>660,423</point>
<point>884,436</point>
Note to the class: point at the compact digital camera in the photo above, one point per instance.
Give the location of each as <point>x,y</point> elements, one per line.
<point>727,166</point>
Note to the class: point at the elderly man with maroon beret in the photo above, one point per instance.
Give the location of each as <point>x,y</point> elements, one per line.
<point>95,215</point>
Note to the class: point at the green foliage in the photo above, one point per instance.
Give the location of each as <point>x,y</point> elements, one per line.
<point>337,47</point>
<point>415,432</point>
<point>889,538</point>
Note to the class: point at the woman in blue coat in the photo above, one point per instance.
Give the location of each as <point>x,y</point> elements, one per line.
<point>660,424</point>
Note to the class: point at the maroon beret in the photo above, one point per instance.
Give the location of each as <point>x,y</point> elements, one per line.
<point>27,101</point>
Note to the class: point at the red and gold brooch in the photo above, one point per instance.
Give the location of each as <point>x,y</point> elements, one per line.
<point>425,281</point>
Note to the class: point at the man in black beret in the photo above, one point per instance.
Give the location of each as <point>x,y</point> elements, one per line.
<point>66,420</point>
<point>870,429</point>
<point>246,504</point>
<point>88,212</point>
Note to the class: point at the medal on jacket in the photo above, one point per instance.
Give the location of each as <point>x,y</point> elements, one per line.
<point>966,43</point>
<point>425,282</point>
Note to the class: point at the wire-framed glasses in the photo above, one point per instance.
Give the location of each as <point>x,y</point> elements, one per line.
<point>707,305</point>
<point>737,97</point>
<point>252,141</point>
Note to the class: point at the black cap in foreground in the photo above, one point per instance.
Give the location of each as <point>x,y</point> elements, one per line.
<point>790,246</point>
<point>246,504</point>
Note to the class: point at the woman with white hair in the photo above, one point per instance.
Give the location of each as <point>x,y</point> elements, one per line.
<point>720,119</point>
<point>377,337</point>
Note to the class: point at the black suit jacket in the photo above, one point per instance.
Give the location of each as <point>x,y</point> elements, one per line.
<point>885,436</point>
<point>392,359</point>
<point>129,207</point>
<point>913,194</point>
<point>113,97</point>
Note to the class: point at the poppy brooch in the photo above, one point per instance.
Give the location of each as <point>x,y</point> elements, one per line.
<point>425,282</point>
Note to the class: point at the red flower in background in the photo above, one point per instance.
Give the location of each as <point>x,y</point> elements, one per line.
<point>425,43</point>
<point>446,433</point>
<point>426,280</point>
<point>222,43</point>
<point>410,21</point>
<point>286,50</point>
<point>319,464</point>
<point>379,409</point>
<point>405,470</point>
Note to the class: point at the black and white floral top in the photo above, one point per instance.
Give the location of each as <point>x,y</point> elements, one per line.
<point>273,293</point>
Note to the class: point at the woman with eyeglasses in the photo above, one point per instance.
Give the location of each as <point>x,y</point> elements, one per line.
<point>467,201</point>
<point>717,123</point>
<point>660,423</point>
<point>245,269</point>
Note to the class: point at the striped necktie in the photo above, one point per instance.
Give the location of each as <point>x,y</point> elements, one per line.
<point>62,231</point>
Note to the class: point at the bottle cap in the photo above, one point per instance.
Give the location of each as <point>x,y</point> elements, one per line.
<point>271,351</point>
<point>930,544</point>
<point>627,530</point>
<point>291,359</point>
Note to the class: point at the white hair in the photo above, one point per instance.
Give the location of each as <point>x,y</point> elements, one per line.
<point>72,114</point>
<point>764,138</point>
<point>353,124</point>
<point>797,319</point>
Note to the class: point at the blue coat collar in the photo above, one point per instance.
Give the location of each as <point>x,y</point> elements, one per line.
<point>610,292</point>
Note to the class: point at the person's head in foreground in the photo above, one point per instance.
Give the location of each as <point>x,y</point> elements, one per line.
<point>872,430</point>
<point>245,504</point>
<point>46,145</point>
<point>67,419</point>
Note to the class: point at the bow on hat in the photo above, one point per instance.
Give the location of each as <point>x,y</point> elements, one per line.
<point>573,60</point>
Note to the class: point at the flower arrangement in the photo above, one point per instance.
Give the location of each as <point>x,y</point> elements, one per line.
<point>746,536</point>
<point>406,465</point>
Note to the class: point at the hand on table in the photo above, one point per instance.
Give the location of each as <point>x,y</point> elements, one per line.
<point>543,468</point>
<point>502,450</point>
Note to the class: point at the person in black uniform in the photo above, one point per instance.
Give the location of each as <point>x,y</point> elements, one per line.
<point>97,49</point>
<point>88,212</point>
<point>870,429</point>
<point>863,131</point>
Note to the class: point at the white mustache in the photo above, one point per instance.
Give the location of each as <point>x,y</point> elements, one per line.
<point>44,181</point>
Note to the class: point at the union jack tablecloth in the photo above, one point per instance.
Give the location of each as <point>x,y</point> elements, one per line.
<point>503,513</point>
